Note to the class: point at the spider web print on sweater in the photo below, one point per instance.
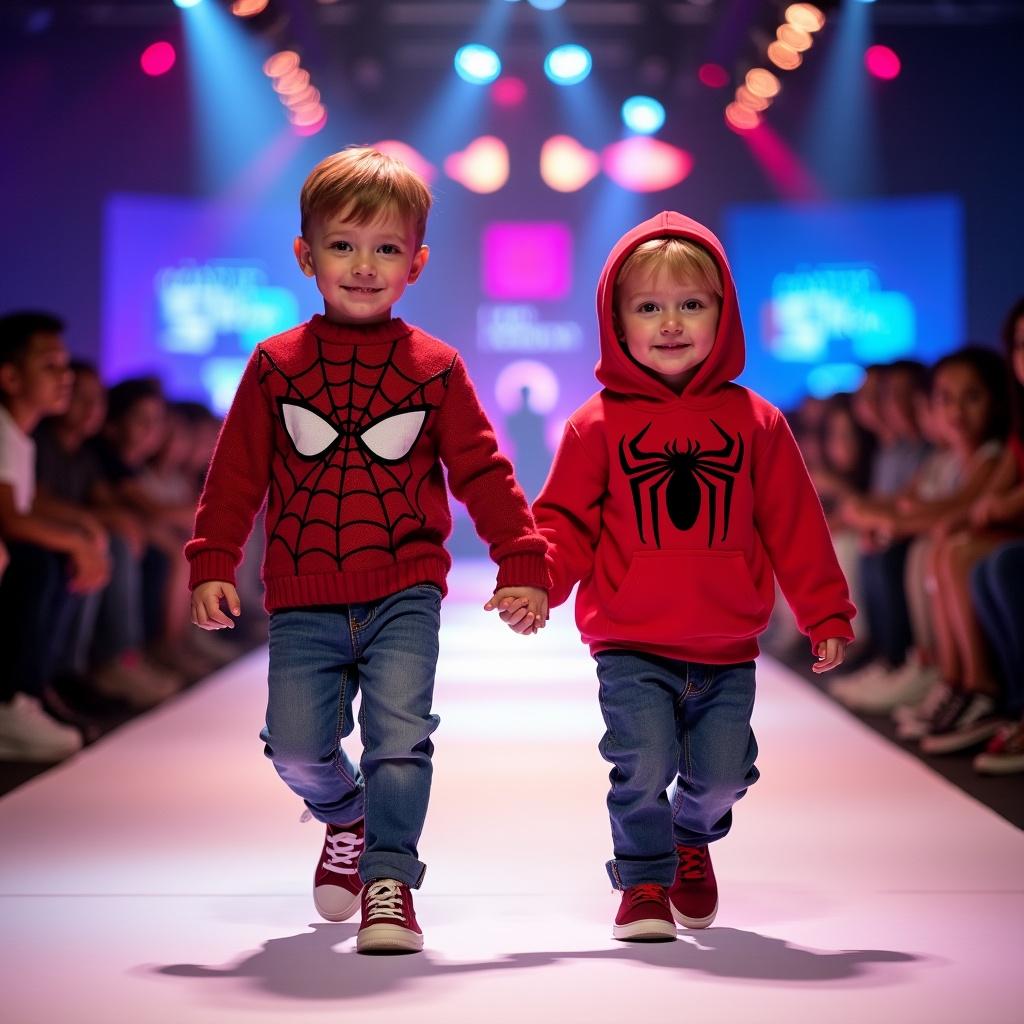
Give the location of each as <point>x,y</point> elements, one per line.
<point>351,492</point>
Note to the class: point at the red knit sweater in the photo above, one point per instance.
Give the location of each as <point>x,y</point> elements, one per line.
<point>343,431</point>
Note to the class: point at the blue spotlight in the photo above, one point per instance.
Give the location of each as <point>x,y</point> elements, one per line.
<point>643,115</point>
<point>187,3</point>
<point>547,5</point>
<point>476,64</point>
<point>568,65</point>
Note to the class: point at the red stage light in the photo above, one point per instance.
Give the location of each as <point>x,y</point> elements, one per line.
<point>158,59</point>
<point>882,62</point>
<point>508,91</point>
<point>714,76</point>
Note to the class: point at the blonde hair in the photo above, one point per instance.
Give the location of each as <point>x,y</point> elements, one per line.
<point>364,182</point>
<point>681,257</point>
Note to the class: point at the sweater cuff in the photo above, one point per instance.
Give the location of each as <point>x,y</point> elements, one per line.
<point>526,570</point>
<point>212,565</point>
<point>834,627</point>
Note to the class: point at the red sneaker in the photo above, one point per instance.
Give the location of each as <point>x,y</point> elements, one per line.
<point>389,920</point>
<point>693,895</point>
<point>644,915</point>
<point>337,885</point>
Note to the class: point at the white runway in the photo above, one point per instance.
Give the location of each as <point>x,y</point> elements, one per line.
<point>162,875</point>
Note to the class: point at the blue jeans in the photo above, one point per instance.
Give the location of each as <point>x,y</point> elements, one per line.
<point>997,589</point>
<point>319,659</point>
<point>668,720</point>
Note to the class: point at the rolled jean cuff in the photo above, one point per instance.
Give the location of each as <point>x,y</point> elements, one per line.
<point>624,874</point>
<point>408,870</point>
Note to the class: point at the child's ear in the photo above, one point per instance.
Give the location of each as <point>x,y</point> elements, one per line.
<point>419,261</point>
<point>303,255</point>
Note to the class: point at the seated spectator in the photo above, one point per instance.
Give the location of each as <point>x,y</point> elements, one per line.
<point>52,561</point>
<point>106,652</point>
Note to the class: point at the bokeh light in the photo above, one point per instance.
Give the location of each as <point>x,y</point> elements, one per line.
<point>714,76</point>
<point>248,8</point>
<point>643,164</point>
<point>476,64</point>
<point>643,114</point>
<point>409,156</point>
<point>882,62</point>
<point>565,165</point>
<point>761,82</point>
<point>158,58</point>
<point>508,91</point>
<point>805,16</point>
<point>482,166</point>
<point>280,63</point>
<point>741,119</point>
<point>568,65</point>
<point>783,56</point>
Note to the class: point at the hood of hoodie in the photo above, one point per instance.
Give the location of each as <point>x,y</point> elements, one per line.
<point>617,371</point>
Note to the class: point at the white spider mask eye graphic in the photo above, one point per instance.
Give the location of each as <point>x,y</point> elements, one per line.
<point>392,437</point>
<point>311,434</point>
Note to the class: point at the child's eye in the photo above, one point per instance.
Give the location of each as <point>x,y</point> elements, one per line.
<point>389,250</point>
<point>647,307</point>
<point>341,246</point>
<point>692,305</point>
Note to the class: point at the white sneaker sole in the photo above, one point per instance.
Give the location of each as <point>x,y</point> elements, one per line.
<point>330,908</point>
<point>388,938</point>
<point>651,930</point>
<point>693,922</point>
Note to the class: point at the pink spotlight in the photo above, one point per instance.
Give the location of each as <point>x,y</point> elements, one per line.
<point>158,59</point>
<point>643,164</point>
<point>882,62</point>
<point>714,76</point>
<point>508,91</point>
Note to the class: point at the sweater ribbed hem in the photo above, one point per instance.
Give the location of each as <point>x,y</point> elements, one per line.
<point>354,587</point>
<point>211,565</point>
<point>526,570</point>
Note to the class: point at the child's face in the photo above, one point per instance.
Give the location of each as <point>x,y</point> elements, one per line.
<point>668,324</point>
<point>361,270</point>
<point>40,380</point>
<point>962,404</point>
<point>88,407</point>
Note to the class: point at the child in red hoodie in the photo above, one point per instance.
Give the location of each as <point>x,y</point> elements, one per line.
<point>674,497</point>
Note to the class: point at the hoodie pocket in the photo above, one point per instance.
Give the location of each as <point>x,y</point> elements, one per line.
<point>667,597</point>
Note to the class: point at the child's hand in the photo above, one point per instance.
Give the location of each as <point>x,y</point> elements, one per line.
<point>206,609</point>
<point>831,653</point>
<point>523,609</point>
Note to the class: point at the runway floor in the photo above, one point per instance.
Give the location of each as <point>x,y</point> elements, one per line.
<point>163,875</point>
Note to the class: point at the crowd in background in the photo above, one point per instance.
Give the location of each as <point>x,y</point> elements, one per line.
<point>921,474</point>
<point>98,489</point>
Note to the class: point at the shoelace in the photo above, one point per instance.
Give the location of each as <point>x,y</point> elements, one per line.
<point>384,899</point>
<point>646,891</point>
<point>342,852</point>
<point>693,863</point>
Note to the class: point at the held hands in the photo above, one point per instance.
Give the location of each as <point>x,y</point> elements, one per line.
<point>831,653</point>
<point>206,605</point>
<point>524,609</point>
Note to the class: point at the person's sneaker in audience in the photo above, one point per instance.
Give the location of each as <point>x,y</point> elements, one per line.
<point>644,915</point>
<point>336,885</point>
<point>388,923</point>
<point>28,733</point>
<point>905,685</point>
<point>693,895</point>
<point>1004,754</point>
<point>965,722</point>
<point>867,677</point>
<point>913,720</point>
<point>129,680</point>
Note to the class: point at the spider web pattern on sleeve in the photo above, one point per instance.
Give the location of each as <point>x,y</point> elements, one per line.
<point>346,506</point>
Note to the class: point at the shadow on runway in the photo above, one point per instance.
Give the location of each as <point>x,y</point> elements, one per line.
<point>307,965</point>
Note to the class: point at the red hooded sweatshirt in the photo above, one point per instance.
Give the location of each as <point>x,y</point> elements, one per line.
<point>673,511</point>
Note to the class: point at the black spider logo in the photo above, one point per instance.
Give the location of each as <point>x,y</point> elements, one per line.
<point>683,472</point>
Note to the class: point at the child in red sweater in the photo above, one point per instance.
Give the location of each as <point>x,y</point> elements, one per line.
<point>674,497</point>
<point>342,424</point>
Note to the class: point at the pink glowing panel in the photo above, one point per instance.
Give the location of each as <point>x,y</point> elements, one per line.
<point>158,59</point>
<point>882,62</point>
<point>643,164</point>
<point>714,76</point>
<point>412,159</point>
<point>508,91</point>
<point>527,260</point>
